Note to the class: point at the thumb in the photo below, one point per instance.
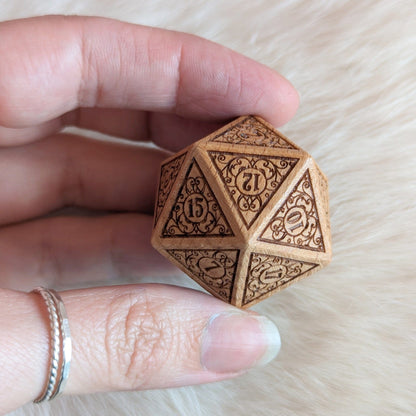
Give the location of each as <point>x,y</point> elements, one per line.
<point>130,338</point>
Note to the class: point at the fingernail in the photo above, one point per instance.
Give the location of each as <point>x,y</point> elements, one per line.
<point>237,341</point>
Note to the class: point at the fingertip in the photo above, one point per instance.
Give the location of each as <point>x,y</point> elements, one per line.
<point>282,100</point>
<point>266,93</point>
<point>235,341</point>
<point>289,101</point>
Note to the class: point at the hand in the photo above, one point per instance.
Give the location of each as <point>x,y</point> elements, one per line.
<point>137,83</point>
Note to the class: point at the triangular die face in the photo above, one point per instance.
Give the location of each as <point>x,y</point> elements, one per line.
<point>251,132</point>
<point>168,174</point>
<point>296,223</point>
<point>322,192</point>
<point>267,274</point>
<point>251,180</point>
<point>213,269</point>
<point>196,212</point>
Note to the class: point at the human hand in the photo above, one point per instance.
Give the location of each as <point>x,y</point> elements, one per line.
<point>136,83</point>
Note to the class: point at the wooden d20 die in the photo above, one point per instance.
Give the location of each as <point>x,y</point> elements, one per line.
<point>244,212</point>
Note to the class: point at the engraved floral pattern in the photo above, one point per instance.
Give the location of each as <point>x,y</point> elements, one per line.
<point>215,269</point>
<point>251,180</point>
<point>168,175</point>
<point>251,131</point>
<point>268,273</point>
<point>296,222</point>
<point>196,211</point>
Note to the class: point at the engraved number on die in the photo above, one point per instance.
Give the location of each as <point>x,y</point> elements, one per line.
<point>211,267</point>
<point>251,181</point>
<point>195,208</point>
<point>295,221</point>
<point>268,273</point>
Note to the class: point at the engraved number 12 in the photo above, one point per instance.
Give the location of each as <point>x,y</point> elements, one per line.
<point>246,183</point>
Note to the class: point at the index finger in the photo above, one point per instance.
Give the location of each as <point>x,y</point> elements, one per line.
<point>51,65</point>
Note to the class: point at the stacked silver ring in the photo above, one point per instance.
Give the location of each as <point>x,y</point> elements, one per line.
<point>60,343</point>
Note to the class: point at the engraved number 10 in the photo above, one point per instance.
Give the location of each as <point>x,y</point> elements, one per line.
<point>295,221</point>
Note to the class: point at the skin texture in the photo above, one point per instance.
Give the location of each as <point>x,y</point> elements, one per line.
<point>139,84</point>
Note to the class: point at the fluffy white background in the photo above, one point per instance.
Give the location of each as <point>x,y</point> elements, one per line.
<point>349,341</point>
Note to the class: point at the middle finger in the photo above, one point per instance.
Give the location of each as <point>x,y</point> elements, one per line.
<point>68,170</point>
<point>62,251</point>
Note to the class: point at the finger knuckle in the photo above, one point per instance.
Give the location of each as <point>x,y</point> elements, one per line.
<point>72,187</point>
<point>138,339</point>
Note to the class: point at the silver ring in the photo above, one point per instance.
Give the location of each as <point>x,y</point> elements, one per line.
<point>60,342</point>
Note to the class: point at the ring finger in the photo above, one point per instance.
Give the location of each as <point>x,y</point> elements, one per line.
<point>68,251</point>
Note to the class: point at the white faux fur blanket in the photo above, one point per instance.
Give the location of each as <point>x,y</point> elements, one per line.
<point>348,332</point>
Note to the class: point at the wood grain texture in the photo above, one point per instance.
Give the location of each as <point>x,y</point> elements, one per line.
<point>244,212</point>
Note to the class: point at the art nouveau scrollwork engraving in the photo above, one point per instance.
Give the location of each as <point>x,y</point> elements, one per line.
<point>168,174</point>
<point>196,212</point>
<point>214,268</point>
<point>251,180</point>
<point>267,273</point>
<point>250,131</point>
<point>296,222</point>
